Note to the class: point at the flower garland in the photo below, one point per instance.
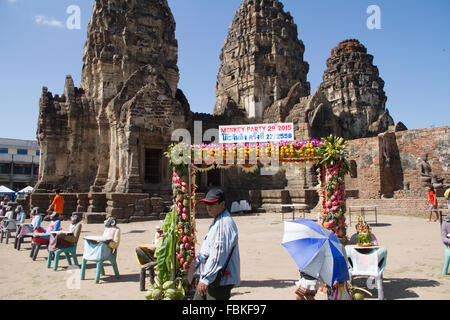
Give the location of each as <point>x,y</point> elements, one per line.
<point>253,153</point>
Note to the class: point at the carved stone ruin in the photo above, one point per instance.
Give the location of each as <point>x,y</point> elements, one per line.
<point>103,143</point>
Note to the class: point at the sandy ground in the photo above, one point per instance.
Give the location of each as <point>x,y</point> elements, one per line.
<point>413,271</point>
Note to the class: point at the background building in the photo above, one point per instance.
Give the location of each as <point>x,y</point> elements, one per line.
<point>19,163</point>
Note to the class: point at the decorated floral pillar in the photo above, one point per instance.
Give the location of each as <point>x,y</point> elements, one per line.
<point>334,169</point>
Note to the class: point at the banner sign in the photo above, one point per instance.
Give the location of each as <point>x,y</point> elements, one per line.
<point>254,133</point>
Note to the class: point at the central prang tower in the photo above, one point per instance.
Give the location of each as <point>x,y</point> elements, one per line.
<point>261,59</point>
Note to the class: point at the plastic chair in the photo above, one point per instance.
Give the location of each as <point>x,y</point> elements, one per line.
<point>147,262</point>
<point>447,260</point>
<point>368,263</point>
<point>7,227</point>
<point>24,231</point>
<point>100,269</point>
<point>71,251</point>
<point>38,242</point>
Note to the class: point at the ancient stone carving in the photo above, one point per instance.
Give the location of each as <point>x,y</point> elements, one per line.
<point>96,138</point>
<point>99,137</point>
<point>427,177</point>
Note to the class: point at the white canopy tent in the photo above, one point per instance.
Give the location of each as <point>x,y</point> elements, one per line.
<point>26,190</point>
<point>4,189</point>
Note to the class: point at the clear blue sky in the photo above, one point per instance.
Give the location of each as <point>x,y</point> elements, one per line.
<point>411,50</point>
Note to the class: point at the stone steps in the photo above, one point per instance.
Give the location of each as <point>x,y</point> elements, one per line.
<point>94,217</point>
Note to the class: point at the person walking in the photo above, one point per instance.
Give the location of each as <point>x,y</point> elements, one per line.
<point>57,204</point>
<point>218,260</point>
<point>433,203</point>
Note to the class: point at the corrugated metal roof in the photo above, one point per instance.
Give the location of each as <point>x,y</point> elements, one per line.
<point>16,143</point>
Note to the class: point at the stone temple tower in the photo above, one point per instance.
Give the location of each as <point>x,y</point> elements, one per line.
<point>354,88</point>
<point>110,135</point>
<point>261,59</point>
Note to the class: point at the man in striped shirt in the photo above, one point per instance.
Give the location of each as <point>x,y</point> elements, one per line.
<point>219,261</point>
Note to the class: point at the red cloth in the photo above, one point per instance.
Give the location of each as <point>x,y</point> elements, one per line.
<point>432,197</point>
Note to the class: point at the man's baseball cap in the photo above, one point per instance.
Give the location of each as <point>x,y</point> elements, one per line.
<point>213,196</point>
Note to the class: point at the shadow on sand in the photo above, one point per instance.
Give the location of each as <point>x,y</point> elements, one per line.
<point>397,288</point>
<point>267,283</point>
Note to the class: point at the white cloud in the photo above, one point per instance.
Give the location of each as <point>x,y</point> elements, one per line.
<point>40,19</point>
<point>12,1</point>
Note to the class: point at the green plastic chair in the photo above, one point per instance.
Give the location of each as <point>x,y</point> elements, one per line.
<point>71,251</point>
<point>447,260</point>
<point>100,269</point>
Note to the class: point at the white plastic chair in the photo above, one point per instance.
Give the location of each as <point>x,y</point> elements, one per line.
<point>368,263</point>
<point>7,228</point>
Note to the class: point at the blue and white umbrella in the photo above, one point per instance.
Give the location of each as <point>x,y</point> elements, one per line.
<point>316,251</point>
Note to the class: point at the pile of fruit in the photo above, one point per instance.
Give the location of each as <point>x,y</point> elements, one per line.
<point>169,290</point>
<point>364,233</point>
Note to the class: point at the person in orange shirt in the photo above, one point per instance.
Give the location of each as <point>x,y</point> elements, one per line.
<point>433,203</point>
<point>57,203</point>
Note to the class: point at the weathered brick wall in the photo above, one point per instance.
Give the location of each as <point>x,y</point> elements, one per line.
<point>412,143</point>
<point>387,165</point>
<point>366,154</point>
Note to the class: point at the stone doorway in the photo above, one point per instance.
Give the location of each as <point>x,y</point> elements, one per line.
<point>214,178</point>
<point>153,166</point>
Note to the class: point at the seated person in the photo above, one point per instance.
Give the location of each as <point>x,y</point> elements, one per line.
<point>101,249</point>
<point>20,214</point>
<point>29,228</point>
<point>67,240</point>
<point>55,225</point>
<point>8,222</point>
<point>113,232</point>
<point>75,228</point>
<point>145,253</point>
<point>9,213</point>
<point>36,219</point>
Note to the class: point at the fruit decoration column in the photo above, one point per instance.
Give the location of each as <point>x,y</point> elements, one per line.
<point>334,201</point>
<point>184,226</point>
<point>335,167</point>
